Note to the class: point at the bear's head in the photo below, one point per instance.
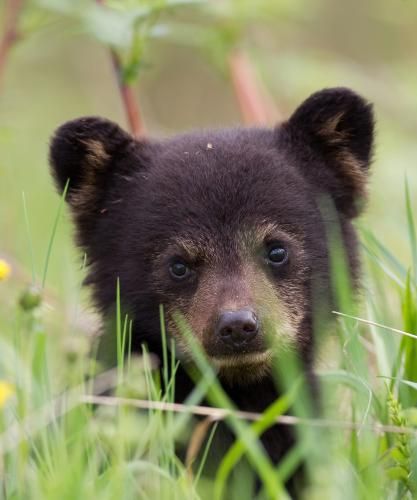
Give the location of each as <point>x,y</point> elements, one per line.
<point>224,227</point>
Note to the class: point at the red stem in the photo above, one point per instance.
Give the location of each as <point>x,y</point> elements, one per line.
<point>256,105</point>
<point>129,100</point>
<point>10,33</point>
<point>127,95</point>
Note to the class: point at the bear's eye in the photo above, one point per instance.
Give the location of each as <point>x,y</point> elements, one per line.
<point>277,255</point>
<point>179,270</point>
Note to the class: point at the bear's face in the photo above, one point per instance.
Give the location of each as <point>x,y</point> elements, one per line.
<point>224,240</point>
<point>223,227</point>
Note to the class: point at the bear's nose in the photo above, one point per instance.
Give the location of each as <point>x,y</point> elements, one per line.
<point>236,328</point>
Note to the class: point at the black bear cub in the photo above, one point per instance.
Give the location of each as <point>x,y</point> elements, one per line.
<point>225,227</point>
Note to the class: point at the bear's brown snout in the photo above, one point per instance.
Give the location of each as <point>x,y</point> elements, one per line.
<point>238,328</point>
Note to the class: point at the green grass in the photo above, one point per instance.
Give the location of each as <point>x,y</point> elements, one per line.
<point>55,444</point>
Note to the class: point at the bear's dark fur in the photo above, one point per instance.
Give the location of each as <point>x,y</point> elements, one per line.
<point>221,221</point>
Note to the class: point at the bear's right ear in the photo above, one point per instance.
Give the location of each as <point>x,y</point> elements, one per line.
<point>82,152</point>
<point>338,125</point>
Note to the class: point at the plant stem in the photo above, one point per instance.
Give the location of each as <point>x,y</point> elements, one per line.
<point>10,33</point>
<point>256,106</point>
<point>129,100</point>
<point>127,95</point>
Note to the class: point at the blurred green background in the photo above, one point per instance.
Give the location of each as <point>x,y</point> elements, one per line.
<point>61,69</point>
<point>175,54</point>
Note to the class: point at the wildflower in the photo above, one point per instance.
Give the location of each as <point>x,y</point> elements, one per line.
<point>6,391</point>
<point>5,270</point>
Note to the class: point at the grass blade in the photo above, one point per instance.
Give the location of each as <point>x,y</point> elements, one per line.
<point>411,230</point>
<point>54,229</point>
<point>29,238</point>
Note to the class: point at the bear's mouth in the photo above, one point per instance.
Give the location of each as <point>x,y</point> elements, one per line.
<point>241,360</point>
<point>244,368</point>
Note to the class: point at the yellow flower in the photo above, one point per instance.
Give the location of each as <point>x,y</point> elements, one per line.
<point>6,390</point>
<point>5,270</point>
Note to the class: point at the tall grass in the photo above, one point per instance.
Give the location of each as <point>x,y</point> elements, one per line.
<point>55,443</point>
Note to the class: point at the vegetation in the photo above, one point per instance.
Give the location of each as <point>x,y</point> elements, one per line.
<point>58,438</point>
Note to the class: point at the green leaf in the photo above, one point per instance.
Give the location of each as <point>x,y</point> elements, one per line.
<point>375,247</point>
<point>109,26</point>
<point>397,473</point>
<point>399,457</point>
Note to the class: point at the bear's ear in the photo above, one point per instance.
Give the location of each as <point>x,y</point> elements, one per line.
<point>82,152</point>
<point>338,125</point>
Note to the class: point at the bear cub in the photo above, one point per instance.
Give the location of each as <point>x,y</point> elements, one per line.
<point>224,227</point>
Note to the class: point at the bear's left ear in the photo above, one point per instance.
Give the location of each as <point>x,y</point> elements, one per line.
<point>338,125</point>
<point>82,150</point>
